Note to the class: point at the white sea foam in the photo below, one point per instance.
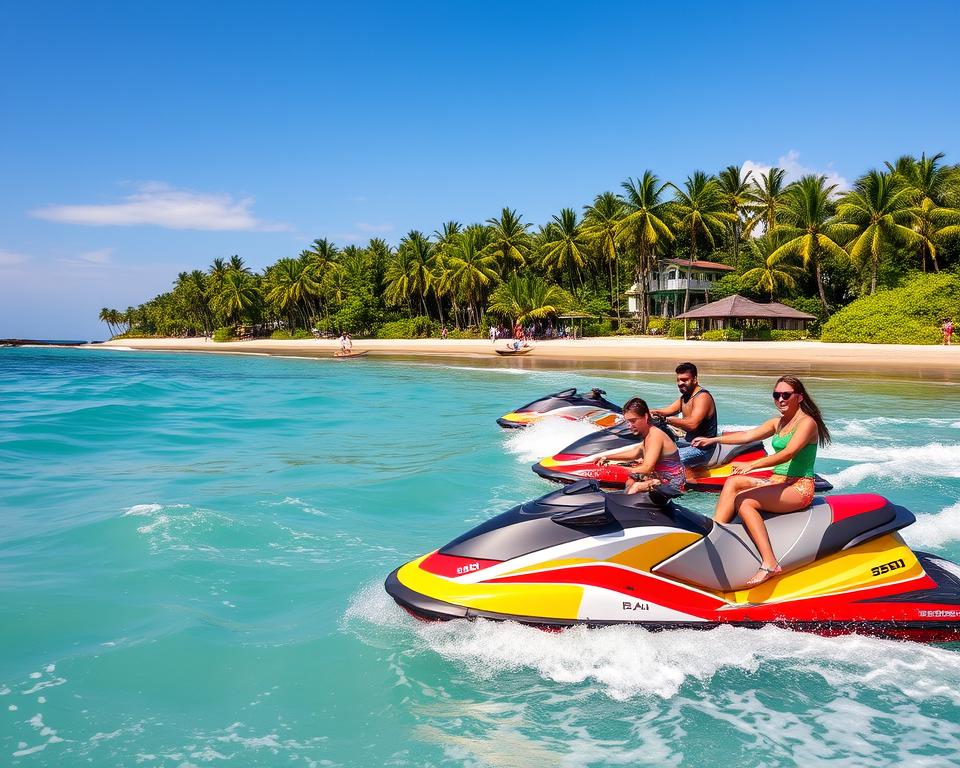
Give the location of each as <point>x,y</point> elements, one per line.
<point>545,438</point>
<point>625,661</point>
<point>893,463</point>
<point>935,530</point>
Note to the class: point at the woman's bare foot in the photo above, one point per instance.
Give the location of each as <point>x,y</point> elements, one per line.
<point>763,574</point>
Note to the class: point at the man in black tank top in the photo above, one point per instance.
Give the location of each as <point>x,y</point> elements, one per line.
<point>695,413</point>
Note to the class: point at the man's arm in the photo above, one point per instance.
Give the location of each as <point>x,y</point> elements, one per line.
<point>669,410</point>
<point>700,411</point>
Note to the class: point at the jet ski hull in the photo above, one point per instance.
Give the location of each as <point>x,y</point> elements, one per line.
<point>567,404</point>
<point>598,570</point>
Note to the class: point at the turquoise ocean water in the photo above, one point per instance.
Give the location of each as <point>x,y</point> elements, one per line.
<point>192,550</point>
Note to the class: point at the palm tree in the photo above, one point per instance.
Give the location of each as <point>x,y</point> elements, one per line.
<point>772,274</point>
<point>237,263</point>
<point>937,204</point>
<point>644,229</point>
<point>106,316</point>
<point>398,285</point>
<point>529,297</point>
<point>217,271</point>
<point>470,269</point>
<point>419,265</point>
<point>700,211</point>
<point>812,231</point>
<point>290,286</point>
<point>735,186</point>
<point>238,293</point>
<point>601,224</point>
<point>510,241</point>
<point>880,207</point>
<point>767,201</point>
<point>564,246</point>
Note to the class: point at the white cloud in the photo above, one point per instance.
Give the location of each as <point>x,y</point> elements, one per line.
<point>374,228</point>
<point>790,163</point>
<point>160,205</point>
<point>11,259</point>
<point>363,231</point>
<point>96,258</point>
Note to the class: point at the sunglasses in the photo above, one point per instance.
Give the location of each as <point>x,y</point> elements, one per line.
<point>782,395</point>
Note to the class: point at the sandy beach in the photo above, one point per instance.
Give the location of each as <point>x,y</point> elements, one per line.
<point>623,353</point>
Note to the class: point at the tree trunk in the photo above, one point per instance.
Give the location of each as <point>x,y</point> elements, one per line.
<point>823,296</point>
<point>686,293</point>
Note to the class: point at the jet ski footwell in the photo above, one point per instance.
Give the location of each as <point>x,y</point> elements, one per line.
<point>662,567</point>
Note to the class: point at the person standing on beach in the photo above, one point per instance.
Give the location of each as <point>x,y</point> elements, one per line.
<point>695,413</point>
<point>346,343</point>
<point>443,332</point>
<point>947,331</point>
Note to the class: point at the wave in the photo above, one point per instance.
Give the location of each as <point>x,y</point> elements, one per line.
<point>936,530</point>
<point>545,438</point>
<point>626,662</point>
<point>896,464</point>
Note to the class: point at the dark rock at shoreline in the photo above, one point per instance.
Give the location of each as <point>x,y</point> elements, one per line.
<point>40,343</point>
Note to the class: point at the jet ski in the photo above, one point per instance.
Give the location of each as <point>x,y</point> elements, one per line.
<point>566,404</point>
<point>568,465</point>
<point>581,556</point>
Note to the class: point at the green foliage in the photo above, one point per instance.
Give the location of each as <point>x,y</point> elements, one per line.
<point>911,314</point>
<point>776,335</point>
<point>656,325</point>
<point>675,329</point>
<point>469,333</point>
<point>224,334</point>
<point>282,334</point>
<point>407,328</point>
<point>597,328</point>
<point>726,334</point>
<point>726,286</point>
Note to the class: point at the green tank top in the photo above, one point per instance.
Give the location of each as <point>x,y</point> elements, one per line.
<point>800,465</point>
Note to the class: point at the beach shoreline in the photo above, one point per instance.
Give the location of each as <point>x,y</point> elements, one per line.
<point>623,352</point>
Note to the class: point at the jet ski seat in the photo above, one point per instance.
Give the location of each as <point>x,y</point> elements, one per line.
<point>726,557</point>
<point>723,454</point>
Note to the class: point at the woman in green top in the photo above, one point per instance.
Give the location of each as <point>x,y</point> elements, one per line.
<point>796,432</point>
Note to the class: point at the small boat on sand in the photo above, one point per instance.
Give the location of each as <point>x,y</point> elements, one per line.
<point>515,348</point>
<point>341,355</point>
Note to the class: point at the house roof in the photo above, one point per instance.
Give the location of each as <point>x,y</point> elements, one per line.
<point>742,307</point>
<point>709,265</point>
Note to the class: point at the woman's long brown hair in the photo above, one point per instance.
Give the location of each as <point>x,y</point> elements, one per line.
<point>808,407</point>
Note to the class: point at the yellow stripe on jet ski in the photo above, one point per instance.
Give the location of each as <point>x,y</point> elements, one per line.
<point>520,418</point>
<point>641,557</point>
<point>862,567</point>
<point>644,556</point>
<point>557,601</point>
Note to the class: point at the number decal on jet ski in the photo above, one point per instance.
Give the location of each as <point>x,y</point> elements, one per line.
<point>879,570</point>
<point>631,606</point>
<point>469,568</point>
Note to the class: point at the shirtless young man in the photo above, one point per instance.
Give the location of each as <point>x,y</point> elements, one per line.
<point>695,413</point>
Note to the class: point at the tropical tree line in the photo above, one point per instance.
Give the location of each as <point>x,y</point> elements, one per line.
<point>801,241</point>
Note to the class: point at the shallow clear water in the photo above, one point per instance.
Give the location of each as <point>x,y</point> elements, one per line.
<point>192,550</point>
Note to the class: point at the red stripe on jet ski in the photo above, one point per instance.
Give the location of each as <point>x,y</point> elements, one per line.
<point>452,566</point>
<point>637,585</point>
<point>845,606</point>
<point>854,504</point>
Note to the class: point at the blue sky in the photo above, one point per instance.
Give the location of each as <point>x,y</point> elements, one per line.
<point>141,139</point>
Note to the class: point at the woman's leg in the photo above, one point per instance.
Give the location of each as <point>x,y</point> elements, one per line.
<point>777,498</point>
<point>726,505</point>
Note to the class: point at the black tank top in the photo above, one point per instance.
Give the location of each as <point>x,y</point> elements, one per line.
<point>708,427</point>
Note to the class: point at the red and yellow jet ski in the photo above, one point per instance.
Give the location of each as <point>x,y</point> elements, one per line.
<point>568,465</point>
<point>566,404</point>
<point>581,556</point>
